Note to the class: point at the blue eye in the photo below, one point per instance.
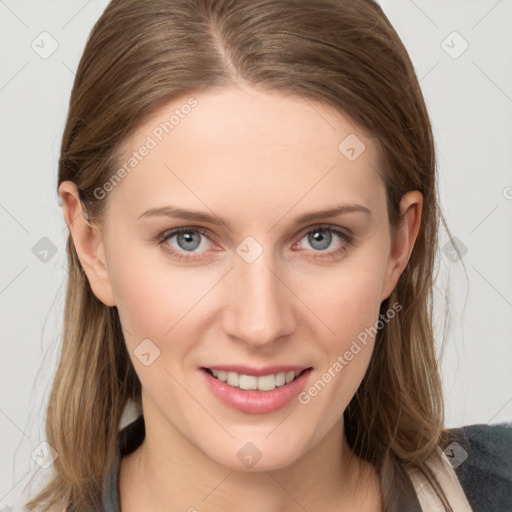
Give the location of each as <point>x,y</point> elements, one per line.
<point>189,241</point>
<point>320,238</point>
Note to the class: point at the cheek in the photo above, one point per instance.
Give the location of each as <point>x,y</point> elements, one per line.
<point>348,299</point>
<point>140,302</point>
<point>159,301</point>
<point>149,294</point>
<point>350,308</point>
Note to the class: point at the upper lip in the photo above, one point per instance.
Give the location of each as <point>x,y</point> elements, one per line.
<point>257,372</point>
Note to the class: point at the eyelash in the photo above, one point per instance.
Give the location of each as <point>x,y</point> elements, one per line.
<point>347,240</point>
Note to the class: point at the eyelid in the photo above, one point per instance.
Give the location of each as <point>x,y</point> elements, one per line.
<point>169,233</point>
<point>348,233</point>
<point>347,239</point>
<point>345,234</point>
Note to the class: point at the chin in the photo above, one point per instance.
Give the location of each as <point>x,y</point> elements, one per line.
<point>255,456</point>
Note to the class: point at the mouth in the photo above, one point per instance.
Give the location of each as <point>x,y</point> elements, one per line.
<point>266,380</point>
<point>256,390</point>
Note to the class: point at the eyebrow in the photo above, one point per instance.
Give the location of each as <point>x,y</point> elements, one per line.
<point>174,212</point>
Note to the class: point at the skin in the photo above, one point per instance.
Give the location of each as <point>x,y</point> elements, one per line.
<point>257,160</point>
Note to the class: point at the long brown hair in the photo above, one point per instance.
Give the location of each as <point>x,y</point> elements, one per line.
<point>345,53</point>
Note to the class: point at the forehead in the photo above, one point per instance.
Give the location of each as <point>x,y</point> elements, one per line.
<point>248,149</point>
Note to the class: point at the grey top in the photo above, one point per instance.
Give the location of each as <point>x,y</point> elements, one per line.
<point>481,458</point>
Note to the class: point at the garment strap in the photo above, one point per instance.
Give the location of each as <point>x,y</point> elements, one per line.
<point>429,501</point>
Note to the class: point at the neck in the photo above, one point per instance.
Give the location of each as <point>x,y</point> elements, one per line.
<point>176,474</point>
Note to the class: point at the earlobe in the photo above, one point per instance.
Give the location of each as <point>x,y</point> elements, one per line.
<point>403,242</point>
<point>88,243</point>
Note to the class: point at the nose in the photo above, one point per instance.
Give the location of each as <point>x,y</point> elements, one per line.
<point>259,307</point>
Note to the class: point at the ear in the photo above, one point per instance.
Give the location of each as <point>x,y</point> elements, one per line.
<point>88,242</point>
<point>403,242</point>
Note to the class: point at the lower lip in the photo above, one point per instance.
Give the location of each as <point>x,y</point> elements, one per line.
<point>255,401</point>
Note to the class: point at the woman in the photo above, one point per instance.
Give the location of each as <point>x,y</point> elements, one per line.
<point>250,189</point>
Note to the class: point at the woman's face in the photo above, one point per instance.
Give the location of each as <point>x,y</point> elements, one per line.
<point>249,286</point>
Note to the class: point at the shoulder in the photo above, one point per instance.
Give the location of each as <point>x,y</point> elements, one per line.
<point>481,456</point>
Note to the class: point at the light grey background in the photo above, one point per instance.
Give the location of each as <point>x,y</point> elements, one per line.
<point>469,97</point>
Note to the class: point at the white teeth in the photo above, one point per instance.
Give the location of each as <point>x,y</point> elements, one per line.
<point>248,382</point>
<point>263,383</point>
<point>290,376</point>
<point>280,378</point>
<point>266,383</point>
<point>233,379</point>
